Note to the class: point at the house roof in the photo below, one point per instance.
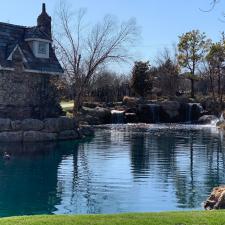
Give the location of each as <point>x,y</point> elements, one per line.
<point>12,36</point>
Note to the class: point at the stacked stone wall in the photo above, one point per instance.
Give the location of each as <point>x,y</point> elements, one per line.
<point>34,130</point>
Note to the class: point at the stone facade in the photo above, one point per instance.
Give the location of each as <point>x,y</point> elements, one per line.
<point>28,70</point>
<point>27,95</point>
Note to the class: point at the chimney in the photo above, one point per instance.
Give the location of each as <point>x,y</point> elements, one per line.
<point>44,21</point>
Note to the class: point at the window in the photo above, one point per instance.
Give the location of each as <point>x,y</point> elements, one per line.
<point>42,48</point>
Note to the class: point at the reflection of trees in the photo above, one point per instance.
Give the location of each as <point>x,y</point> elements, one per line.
<point>187,164</point>
<point>139,154</point>
<point>204,170</point>
<point>193,159</point>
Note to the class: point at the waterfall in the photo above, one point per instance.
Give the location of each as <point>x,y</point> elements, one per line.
<point>154,109</point>
<point>193,111</point>
<point>189,112</point>
<point>221,118</point>
<point>218,120</point>
<point>214,122</point>
<point>117,117</point>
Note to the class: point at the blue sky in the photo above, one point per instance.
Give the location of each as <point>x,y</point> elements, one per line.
<point>161,21</point>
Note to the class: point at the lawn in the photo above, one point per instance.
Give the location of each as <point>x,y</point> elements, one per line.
<point>67,105</point>
<point>165,218</point>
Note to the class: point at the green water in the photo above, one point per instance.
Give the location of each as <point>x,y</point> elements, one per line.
<point>124,168</point>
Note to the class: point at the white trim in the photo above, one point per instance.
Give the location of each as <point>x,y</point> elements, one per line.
<point>11,54</point>
<point>42,72</point>
<point>6,68</point>
<point>38,39</point>
<point>31,71</point>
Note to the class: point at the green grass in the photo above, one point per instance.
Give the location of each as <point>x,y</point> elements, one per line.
<point>67,107</point>
<point>165,218</point>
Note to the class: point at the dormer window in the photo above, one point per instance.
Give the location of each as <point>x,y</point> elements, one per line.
<point>42,48</point>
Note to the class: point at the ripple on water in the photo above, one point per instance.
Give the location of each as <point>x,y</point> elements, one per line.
<point>124,168</point>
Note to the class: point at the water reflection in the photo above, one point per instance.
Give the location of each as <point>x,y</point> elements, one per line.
<point>124,168</point>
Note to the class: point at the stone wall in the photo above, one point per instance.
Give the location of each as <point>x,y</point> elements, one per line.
<point>33,130</point>
<point>27,95</point>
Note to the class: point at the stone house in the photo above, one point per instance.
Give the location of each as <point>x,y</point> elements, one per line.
<point>28,70</point>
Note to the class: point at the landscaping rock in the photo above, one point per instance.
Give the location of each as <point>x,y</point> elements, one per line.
<point>11,136</point>
<point>144,113</point>
<point>33,136</point>
<point>86,131</point>
<point>99,114</point>
<point>59,124</point>
<point>131,102</point>
<point>32,125</point>
<point>51,125</point>
<point>90,120</point>
<point>131,117</point>
<point>66,123</point>
<point>206,119</point>
<point>216,200</point>
<point>171,108</point>
<point>5,124</point>
<point>16,125</point>
<point>68,134</point>
<point>149,113</point>
<point>221,125</point>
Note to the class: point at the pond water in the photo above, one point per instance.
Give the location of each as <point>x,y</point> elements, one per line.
<point>124,168</point>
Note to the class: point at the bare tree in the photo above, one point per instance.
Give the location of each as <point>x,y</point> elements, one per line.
<point>84,49</point>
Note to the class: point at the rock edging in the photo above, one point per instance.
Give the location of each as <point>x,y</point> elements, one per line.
<point>50,129</point>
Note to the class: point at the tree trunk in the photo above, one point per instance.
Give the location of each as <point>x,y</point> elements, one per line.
<point>78,101</point>
<point>212,87</point>
<point>192,88</point>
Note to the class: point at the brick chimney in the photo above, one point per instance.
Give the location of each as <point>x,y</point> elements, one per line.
<point>44,21</point>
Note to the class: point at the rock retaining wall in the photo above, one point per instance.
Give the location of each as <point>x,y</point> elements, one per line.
<point>34,130</point>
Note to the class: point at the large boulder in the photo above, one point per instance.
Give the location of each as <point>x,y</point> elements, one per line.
<point>149,113</point>
<point>206,119</point>
<point>170,111</point>
<point>131,102</point>
<point>16,125</point>
<point>131,117</point>
<point>66,123</point>
<point>32,124</point>
<point>221,125</point>
<point>51,125</point>
<point>216,200</point>
<point>16,136</point>
<point>59,124</point>
<point>88,120</point>
<point>86,131</point>
<point>5,124</point>
<point>33,136</point>
<point>68,134</point>
<point>99,114</point>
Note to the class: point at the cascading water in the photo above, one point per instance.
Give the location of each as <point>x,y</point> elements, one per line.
<point>117,117</point>
<point>214,122</point>
<point>218,120</point>
<point>221,118</point>
<point>154,109</point>
<point>193,111</point>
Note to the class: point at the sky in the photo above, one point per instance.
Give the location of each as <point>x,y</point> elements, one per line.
<point>161,21</point>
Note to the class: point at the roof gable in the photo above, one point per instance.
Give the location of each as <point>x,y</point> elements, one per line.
<point>13,37</point>
<point>17,47</point>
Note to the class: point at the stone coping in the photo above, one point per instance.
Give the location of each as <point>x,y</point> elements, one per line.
<point>34,130</point>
